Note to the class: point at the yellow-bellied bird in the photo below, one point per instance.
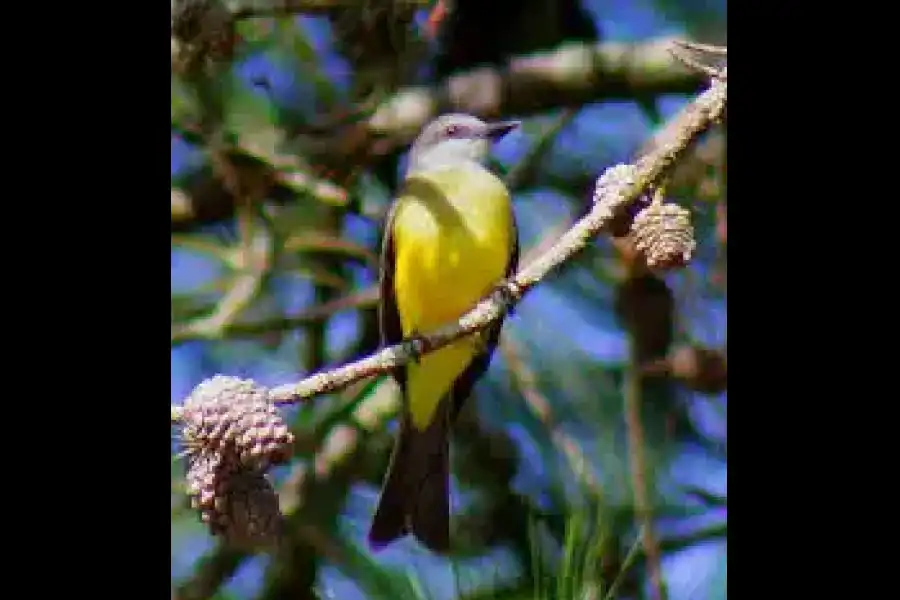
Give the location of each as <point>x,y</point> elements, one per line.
<point>450,240</point>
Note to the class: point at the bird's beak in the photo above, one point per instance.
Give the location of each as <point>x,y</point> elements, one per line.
<point>495,131</point>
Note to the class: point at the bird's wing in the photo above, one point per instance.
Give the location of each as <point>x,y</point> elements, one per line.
<point>388,317</point>
<point>463,385</point>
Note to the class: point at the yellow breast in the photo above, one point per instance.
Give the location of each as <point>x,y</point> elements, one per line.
<point>452,241</point>
<point>452,235</point>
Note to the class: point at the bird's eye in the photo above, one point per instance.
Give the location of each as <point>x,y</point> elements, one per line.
<point>453,130</point>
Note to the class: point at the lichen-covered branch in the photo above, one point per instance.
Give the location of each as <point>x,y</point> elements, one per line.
<point>616,190</point>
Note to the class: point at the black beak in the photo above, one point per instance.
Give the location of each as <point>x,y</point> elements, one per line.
<point>495,131</point>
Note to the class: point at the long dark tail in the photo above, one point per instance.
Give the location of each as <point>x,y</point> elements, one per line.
<point>416,494</point>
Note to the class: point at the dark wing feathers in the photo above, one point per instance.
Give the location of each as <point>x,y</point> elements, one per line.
<point>388,317</point>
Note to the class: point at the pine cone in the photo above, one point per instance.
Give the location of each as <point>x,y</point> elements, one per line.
<point>248,514</point>
<point>233,417</point>
<point>206,473</point>
<point>234,501</point>
<point>664,235</point>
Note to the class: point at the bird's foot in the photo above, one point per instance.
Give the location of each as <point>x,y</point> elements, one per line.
<point>505,296</point>
<point>480,341</point>
<point>414,346</point>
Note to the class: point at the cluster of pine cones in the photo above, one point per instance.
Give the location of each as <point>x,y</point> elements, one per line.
<point>662,232</point>
<point>232,434</point>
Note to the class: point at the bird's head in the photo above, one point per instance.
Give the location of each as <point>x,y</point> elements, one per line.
<point>454,139</point>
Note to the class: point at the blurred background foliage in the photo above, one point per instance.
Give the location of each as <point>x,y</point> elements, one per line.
<point>591,461</point>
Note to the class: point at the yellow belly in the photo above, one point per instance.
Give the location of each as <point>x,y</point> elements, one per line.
<point>442,275</point>
<point>449,253</point>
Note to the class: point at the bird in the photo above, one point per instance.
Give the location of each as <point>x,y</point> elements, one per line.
<point>450,240</point>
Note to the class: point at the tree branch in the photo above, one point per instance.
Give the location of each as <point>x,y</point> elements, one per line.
<point>318,313</point>
<point>616,190</point>
<point>572,74</point>
<point>568,76</point>
<point>639,481</point>
<point>205,198</point>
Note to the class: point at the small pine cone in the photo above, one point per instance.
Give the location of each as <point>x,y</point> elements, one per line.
<point>212,419</point>
<point>664,235</point>
<point>207,474</point>
<point>266,438</point>
<point>232,416</point>
<point>246,510</point>
<point>234,501</point>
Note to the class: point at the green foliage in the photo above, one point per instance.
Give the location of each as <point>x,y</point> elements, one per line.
<point>545,464</point>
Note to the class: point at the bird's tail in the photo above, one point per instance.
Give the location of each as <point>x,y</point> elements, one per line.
<point>416,494</point>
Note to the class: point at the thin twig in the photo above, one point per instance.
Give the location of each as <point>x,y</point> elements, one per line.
<point>524,170</point>
<point>638,466</point>
<point>257,257</point>
<point>717,72</point>
<point>366,298</point>
<point>621,186</point>
<point>697,65</point>
<point>698,47</point>
<point>539,405</point>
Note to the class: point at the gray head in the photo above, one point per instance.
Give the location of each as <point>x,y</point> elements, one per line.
<point>454,139</point>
